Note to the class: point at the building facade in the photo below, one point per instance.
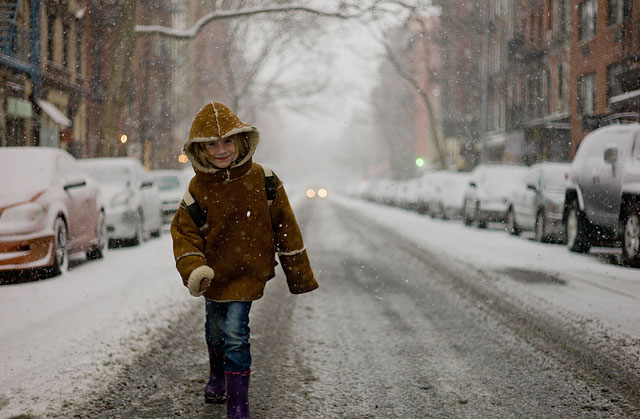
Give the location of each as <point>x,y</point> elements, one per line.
<point>42,74</point>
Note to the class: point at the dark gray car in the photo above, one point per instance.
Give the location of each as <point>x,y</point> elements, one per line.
<point>537,202</point>
<point>602,202</point>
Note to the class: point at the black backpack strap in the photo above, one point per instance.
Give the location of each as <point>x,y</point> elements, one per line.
<point>270,185</point>
<point>197,215</point>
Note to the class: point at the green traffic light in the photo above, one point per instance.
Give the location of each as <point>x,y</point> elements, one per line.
<point>419,162</point>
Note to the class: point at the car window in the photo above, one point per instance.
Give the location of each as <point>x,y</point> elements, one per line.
<point>108,174</point>
<point>167,183</point>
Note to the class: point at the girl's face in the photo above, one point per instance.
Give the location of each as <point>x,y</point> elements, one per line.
<point>223,151</point>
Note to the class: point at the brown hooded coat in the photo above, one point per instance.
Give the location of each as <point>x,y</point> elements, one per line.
<point>242,232</point>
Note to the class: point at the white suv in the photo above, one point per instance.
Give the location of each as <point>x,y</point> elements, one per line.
<point>602,200</point>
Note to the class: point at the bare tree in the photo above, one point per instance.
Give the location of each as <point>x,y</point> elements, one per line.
<point>128,32</point>
<point>415,25</point>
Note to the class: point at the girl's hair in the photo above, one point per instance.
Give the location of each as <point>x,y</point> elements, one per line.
<point>242,145</point>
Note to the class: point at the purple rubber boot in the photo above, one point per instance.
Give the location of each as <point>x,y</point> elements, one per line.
<point>214,390</point>
<point>238,394</point>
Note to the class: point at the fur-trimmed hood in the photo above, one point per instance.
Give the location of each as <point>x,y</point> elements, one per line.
<point>215,121</point>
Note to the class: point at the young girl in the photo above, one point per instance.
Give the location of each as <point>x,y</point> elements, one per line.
<point>230,258</point>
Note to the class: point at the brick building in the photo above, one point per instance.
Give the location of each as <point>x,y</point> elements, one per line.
<point>605,73</point>
<point>528,90</point>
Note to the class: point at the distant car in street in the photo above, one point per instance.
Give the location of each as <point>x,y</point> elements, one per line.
<point>485,199</point>
<point>49,209</point>
<point>602,201</point>
<point>131,197</point>
<point>537,202</point>
<point>171,186</point>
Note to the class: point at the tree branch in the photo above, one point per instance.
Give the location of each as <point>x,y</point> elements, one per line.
<point>227,14</point>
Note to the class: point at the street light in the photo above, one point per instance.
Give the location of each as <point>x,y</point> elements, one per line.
<point>419,162</point>
<point>182,158</point>
<point>123,138</point>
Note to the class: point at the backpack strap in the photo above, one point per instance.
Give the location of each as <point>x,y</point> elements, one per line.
<point>197,215</point>
<point>270,185</point>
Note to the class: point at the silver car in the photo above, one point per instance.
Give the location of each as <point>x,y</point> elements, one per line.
<point>537,203</point>
<point>485,197</point>
<point>602,204</point>
<point>131,197</point>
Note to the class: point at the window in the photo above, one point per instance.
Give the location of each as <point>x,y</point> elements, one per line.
<point>586,92</point>
<point>617,11</point>
<point>560,81</point>
<point>66,29</point>
<point>613,85</point>
<point>79,44</point>
<point>588,14</point>
<point>50,30</point>
<point>562,21</point>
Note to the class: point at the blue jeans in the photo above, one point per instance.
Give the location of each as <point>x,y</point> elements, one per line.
<point>227,331</point>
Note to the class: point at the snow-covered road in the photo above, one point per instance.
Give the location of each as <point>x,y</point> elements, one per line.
<point>61,337</point>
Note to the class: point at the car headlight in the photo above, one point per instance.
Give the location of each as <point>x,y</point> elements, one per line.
<point>121,200</point>
<point>29,214</point>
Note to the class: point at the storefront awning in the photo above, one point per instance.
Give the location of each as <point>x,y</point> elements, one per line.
<point>54,113</point>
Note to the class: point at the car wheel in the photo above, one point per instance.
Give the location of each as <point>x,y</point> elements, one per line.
<point>139,237</point>
<point>60,247</point>
<point>465,216</point>
<point>443,213</point>
<point>631,237</point>
<point>512,226</point>
<point>540,236</point>
<point>98,251</point>
<point>577,230</point>
<point>478,218</point>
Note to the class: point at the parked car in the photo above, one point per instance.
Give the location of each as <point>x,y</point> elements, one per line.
<point>602,201</point>
<point>425,192</point>
<point>131,197</point>
<point>485,197</point>
<point>171,187</point>
<point>537,202</point>
<point>49,209</point>
<point>448,194</point>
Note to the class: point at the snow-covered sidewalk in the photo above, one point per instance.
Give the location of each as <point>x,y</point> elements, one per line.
<point>58,335</point>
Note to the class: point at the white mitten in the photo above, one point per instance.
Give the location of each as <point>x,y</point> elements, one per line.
<point>202,274</point>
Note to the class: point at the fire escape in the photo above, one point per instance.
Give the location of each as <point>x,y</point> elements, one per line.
<point>19,45</point>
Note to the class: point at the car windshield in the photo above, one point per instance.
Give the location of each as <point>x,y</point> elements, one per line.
<point>554,179</point>
<point>108,174</point>
<point>30,168</point>
<point>167,183</point>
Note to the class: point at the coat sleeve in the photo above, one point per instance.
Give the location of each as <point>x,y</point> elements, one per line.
<point>188,244</point>
<point>289,245</point>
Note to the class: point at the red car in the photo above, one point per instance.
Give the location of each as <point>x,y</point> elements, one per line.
<point>49,209</point>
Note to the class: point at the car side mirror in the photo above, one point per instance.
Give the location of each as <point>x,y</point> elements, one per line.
<point>472,184</point>
<point>611,155</point>
<point>146,184</point>
<point>532,187</point>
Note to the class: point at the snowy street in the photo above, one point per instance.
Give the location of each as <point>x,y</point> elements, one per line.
<point>414,317</point>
